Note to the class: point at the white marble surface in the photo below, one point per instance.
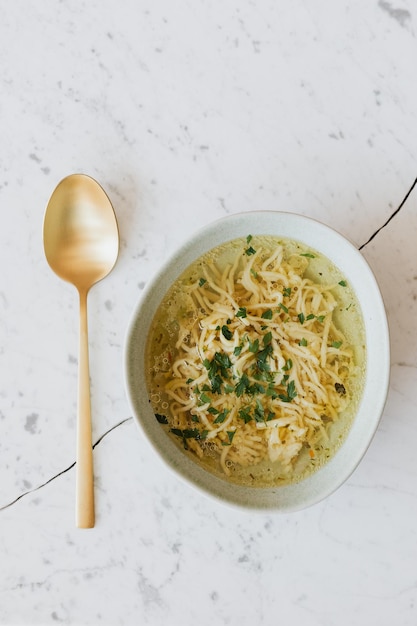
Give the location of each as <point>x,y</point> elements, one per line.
<point>187,111</point>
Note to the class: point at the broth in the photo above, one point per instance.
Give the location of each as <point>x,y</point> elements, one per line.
<point>252,361</point>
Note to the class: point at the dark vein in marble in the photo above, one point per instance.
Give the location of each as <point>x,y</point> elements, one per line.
<point>391,216</point>
<point>64,471</point>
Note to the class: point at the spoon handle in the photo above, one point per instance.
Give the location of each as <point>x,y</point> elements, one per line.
<point>84,466</point>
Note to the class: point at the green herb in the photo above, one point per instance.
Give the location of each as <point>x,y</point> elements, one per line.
<point>217,370</point>
<point>237,350</point>
<point>261,363</point>
<point>230,435</point>
<point>189,433</point>
<point>241,312</point>
<point>245,415</point>
<point>250,251</point>
<point>343,283</point>
<point>301,318</point>
<point>259,413</point>
<point>248,239</point>
<point>189,381</point>
<point>256,388</point>
<point>267,315</point>
<point>226,332</point>
<point>287,291</point>
<point>161,418</point>
<point>204,398</point>
<point>228,388</point>
<point>283,307</point>
<point>253,272</point>
<point>242,386</point>
<point>271,391</point>
<point>221,417</point>
<point>267,338</point>
<point>309,255</point>
<point>302,342</point>
<point>201,282</point>
<point>336,344</point>
<point>288,365</point>
<point>320,318</point>
<point>290,394</point>
<point>311,316</point>
<point>253,346</point>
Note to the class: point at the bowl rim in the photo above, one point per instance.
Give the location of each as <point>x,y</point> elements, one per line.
<point>378,358</point>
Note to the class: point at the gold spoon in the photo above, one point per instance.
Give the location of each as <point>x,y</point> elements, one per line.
<point>81,241</point>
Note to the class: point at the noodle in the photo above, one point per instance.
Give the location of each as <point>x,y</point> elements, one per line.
<point>257,369</point>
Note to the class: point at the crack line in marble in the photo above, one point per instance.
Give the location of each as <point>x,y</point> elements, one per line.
<point>64,471</point>
<point>390,217</point>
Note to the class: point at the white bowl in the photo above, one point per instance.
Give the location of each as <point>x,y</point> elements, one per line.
<point>356,270</point>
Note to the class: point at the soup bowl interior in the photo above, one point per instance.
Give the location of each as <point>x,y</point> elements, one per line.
<point>351,263</point>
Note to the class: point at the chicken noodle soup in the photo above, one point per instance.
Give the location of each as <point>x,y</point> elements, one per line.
<point>256,360</point>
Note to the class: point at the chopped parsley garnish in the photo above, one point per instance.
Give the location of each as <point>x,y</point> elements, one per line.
<point>259,412</point>
<point>283,307</point>
<point>309,255</point>
<point>189,433</point>
<point>286,291</point>
<point>250,251</point>
<point>245,415</point>
<point>217,370</point>
<point>290,394</point>
<point>204,398</point>
<point>267,315</point>
<point>302,342</point>
<point>343,283</point>
<point>267,338</point>
<point>230,434</point>
<point>242,386</point>
<point>162,419</point>
<point>242,312</point>
<point>261,362</point>
<point>302,318</point>
<point>253,346</point>
<point>227,334</point>
<point>237,350</point>
<point>271,391</point>
<point>221,416</point>
<point>336,344</point>
<point>201,282</point>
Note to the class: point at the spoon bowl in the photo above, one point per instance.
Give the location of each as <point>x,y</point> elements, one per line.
<point>81,242</point>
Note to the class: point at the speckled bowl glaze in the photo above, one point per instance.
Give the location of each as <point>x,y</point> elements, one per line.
<point>352,264</point>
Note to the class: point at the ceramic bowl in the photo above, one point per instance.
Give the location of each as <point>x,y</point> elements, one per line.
<point>356,270</point>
